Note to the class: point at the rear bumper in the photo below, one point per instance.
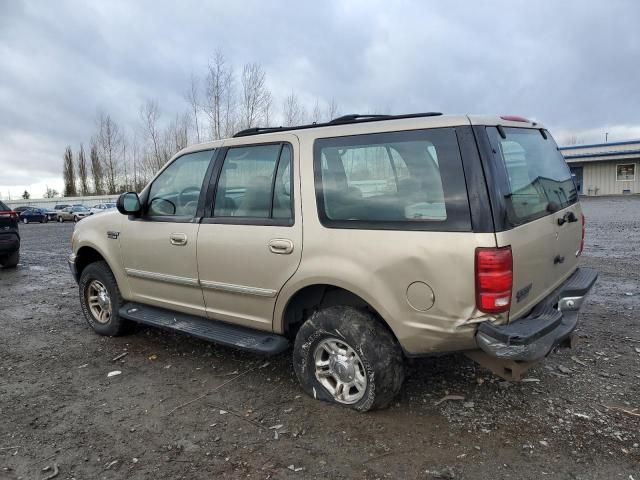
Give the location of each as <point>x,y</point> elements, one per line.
<point>550,322</point>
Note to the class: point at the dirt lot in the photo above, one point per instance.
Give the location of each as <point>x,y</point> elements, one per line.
<point>248,418</point>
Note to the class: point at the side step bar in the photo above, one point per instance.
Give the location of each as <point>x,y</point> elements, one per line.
<point>206,329</point>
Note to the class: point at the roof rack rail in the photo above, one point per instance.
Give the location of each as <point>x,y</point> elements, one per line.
<point>342,120</point>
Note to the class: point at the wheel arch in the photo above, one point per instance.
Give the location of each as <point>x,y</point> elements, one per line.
<point>88,254</point>
<point>315,296</point>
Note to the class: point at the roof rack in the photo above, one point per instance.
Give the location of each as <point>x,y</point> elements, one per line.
<point>343,120</point>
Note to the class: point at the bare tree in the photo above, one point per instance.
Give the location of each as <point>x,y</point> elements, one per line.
<point>50,193</point>
<point>96,169</point>
<point>110,142</point>
<point>293,112</point>
<point>332,110</point>
<point>177,134</point>
<point>82,172</point>
<point>193,97</point>
<point>255,95</point>
<point>69,174</point>
<point>220,104</point>
<point>149,114</point>
<point>316,114</point>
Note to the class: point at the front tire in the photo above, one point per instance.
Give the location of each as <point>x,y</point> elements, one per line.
<point>101,300</point>
<point>345,355</point>
<point>25,220</point>
<point>60,220</point>
<point>75,219</point>
<point>10,261</point>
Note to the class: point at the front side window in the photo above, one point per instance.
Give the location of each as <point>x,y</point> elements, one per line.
<point>392,180</point>
<point>255,183</point>
<point>626,172</point>
<point>539,179</point>
<point>176,191</point>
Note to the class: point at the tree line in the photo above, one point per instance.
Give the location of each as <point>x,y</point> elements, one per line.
<point>218,103</point>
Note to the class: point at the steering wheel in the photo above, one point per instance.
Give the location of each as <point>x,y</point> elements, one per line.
<point>186,202</point>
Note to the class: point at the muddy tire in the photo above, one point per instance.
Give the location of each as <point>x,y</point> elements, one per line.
<point>345,355</point>
<point>100,300</point>
<point>10,261</point>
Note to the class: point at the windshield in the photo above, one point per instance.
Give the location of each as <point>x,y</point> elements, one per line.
<point>539,180</point>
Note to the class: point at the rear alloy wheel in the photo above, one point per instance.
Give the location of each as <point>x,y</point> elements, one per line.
<point>100,300</point>
<point>25,220</point>
<point>10,261</point>
<point>347,356</point>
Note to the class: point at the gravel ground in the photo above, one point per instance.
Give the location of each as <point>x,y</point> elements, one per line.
<point>249,419</point>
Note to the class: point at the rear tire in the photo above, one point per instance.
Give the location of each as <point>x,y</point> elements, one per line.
<point>346,356</point>
<point>10,261</point>
<point>99,293</point>
<point>25,220</point>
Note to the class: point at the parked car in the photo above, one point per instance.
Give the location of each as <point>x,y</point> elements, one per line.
<point>51,214</point>
<point>102,207</point>
<point>75,213</point>
<point>466,237</point>
<point>21,209</point>
<point>33,214</point>
<point>9,237</point>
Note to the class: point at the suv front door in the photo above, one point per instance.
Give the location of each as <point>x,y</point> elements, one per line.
<point>250,241</point>
<point>159,247</point>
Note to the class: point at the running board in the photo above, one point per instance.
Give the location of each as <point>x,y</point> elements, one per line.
<point>206,329</point>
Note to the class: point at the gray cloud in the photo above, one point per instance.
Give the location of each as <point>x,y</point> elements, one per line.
<point>573,64</point>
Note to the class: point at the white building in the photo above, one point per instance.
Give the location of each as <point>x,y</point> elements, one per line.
<point>605,168</point>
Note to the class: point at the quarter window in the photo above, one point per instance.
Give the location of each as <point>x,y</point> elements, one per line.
<point>392,180</point>
<point>255,183</point>
<point>176,191</point>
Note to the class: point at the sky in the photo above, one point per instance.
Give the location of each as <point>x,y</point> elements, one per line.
<point>573,65</point>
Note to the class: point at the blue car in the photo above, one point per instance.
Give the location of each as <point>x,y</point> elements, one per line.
<point>31,215</point>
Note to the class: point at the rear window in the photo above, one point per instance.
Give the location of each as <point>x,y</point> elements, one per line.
<point>3,207</point>
<point>538,179</point>
<point>392,180</point>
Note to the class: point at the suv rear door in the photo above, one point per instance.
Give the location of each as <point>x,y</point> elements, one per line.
<point>250,241</point>
<point>536,211</point>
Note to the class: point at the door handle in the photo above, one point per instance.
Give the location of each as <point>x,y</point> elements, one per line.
<point>281,246</point>
<point>178,239</point>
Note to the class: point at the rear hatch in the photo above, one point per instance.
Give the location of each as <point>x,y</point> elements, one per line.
<point>541,218</point>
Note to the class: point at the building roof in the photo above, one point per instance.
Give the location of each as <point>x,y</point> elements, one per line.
<point>627,150</point>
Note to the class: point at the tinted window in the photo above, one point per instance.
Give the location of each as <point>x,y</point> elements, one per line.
<point>3,207</point>
<point>255,182</point>
<point>539,180</point>
<point>403,179</point>
<point>176,191</point>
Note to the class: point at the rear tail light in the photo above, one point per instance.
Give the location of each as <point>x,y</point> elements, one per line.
<point>494,279</point>
<point>9,213</point>
<point>582,239</point>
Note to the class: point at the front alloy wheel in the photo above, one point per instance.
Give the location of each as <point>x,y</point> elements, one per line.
<point>99,301</point>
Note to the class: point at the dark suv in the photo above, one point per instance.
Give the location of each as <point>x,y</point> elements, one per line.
<point>9,237</point>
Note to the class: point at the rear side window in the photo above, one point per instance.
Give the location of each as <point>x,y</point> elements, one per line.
<point>538,179</point>
<point>254,184</point>
<point>393,180</point>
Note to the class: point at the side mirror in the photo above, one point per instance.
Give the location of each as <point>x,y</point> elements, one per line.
<point>129,203</point>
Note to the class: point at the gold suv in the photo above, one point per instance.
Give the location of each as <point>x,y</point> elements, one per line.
<point>359,242</point>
